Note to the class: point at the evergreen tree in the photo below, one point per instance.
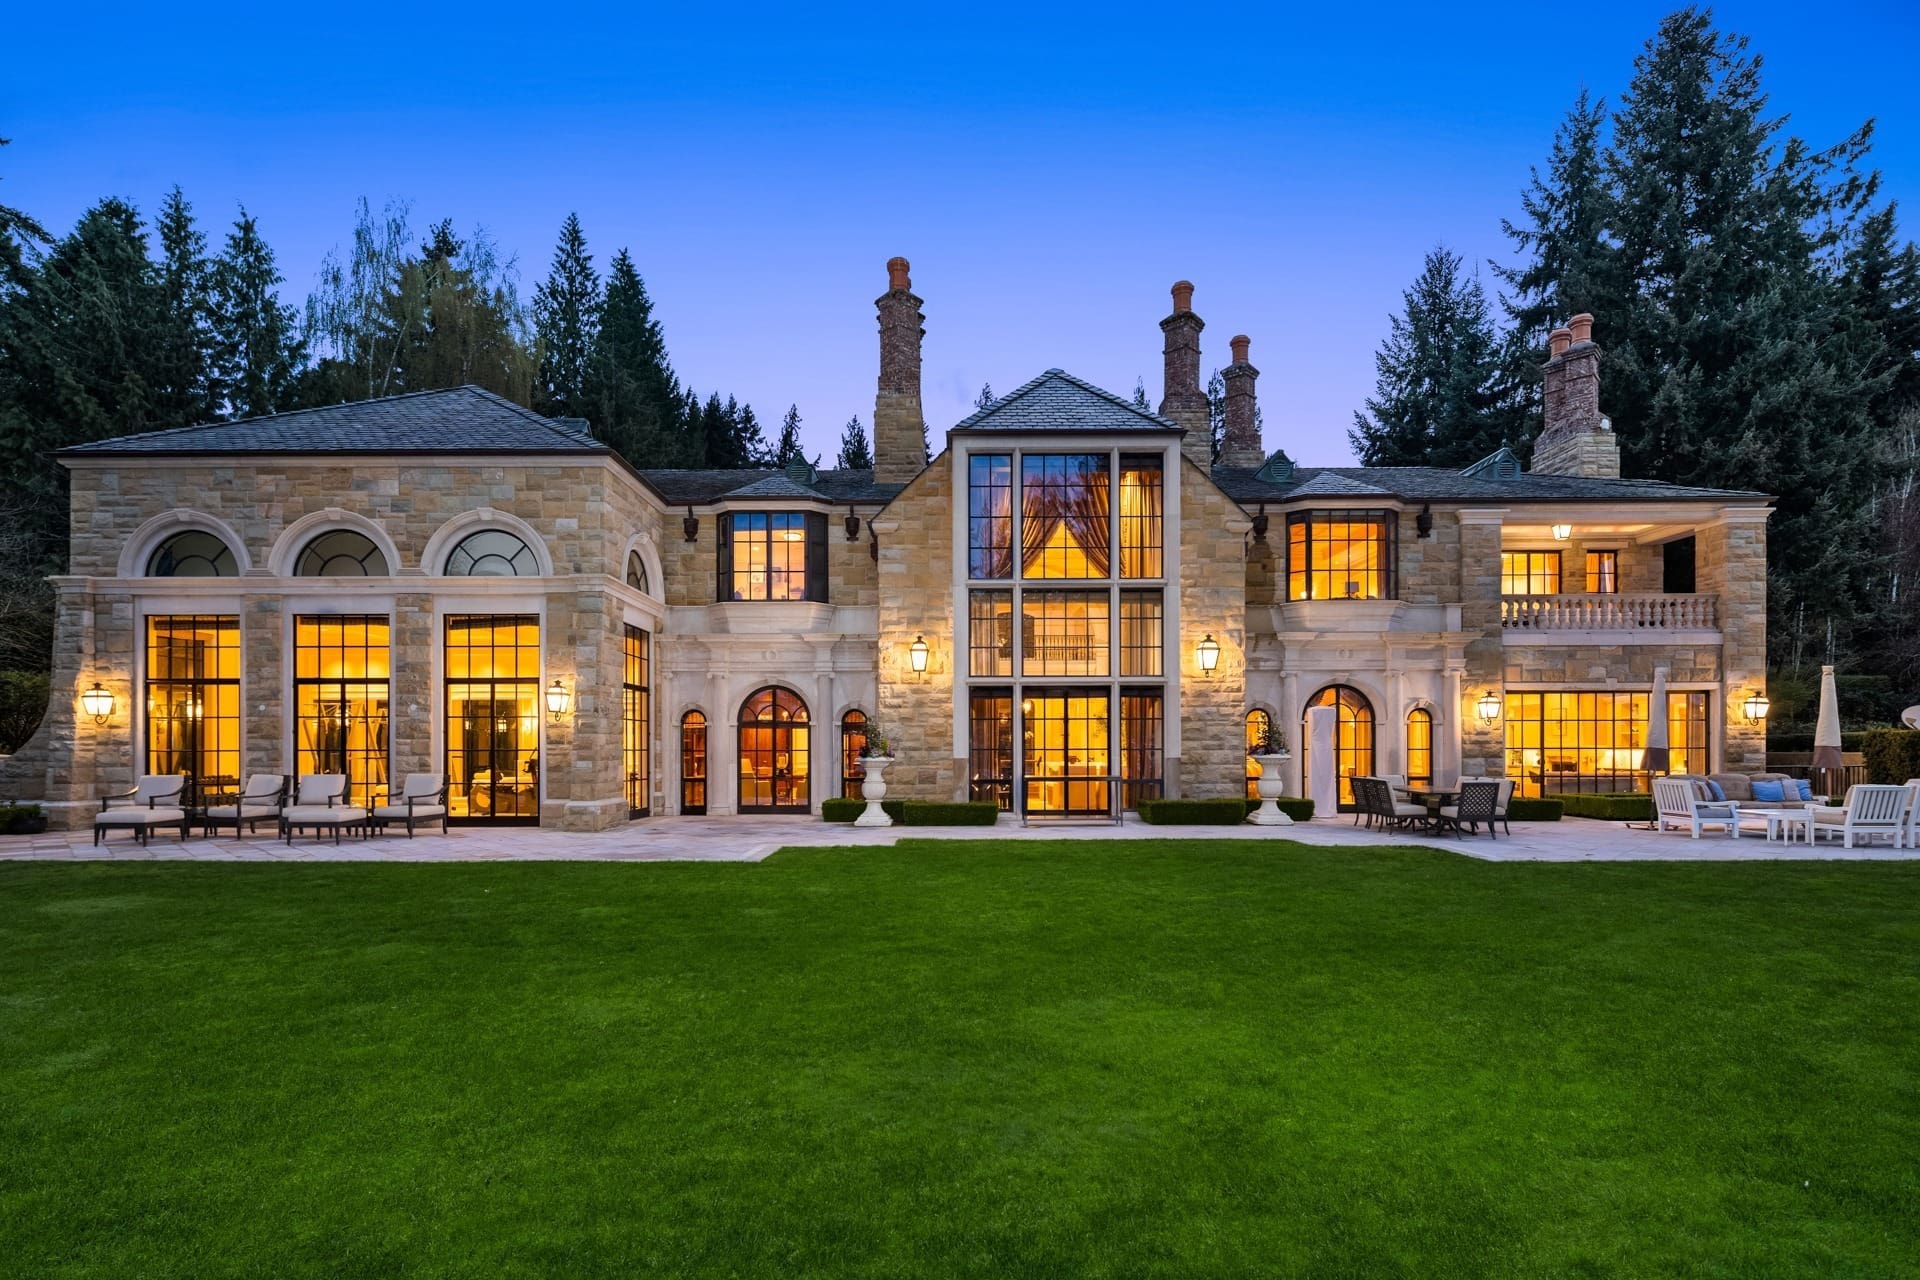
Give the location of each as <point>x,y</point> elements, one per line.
<point>748,440</point>
<point>985,397</point>
<point>1438,397</point>
<point>720,430</point>
<point>630,395</point>
<point>1563,236</point>
<point>788,449</point>
<point>566,309</point>
<point>1216,412</point>
<point>1145,405</point>
<point>185,393</point>
<point>19,234</point>
<point>855,453</point>
<point>257,352</point>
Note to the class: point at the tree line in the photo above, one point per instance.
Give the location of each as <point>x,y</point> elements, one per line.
<point>1760,319</point>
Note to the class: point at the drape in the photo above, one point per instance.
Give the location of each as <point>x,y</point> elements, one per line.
<point>1141,523</point>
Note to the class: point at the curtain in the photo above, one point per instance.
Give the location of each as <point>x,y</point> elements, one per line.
<point>1088,509</point>
<point>1141,522</point>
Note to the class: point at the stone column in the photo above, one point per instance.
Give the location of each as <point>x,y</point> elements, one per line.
<point>411,701</point>
<point>265,683</point>
<point>1731,563</point>
<point>1481,746</point>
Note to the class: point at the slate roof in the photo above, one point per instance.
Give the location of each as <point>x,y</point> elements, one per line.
<point>684,488</point>
<point>1437,484</point>
<point>1058,401</point>
<point>458,420</point>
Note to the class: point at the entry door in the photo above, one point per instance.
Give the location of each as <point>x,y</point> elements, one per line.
<point>1068,744</point>
<point>775,754</point>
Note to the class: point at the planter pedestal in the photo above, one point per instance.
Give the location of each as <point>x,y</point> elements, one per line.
<point>875,790</point>
<point>1270,784</point>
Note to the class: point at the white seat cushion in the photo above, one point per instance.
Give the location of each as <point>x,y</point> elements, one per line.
<point>1409,811</point>
<point>138,817</point>
<point>232,812</point>
<point>400,810</point>
<point>297,814</point>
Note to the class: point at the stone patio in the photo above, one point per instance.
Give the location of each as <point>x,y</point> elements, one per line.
<point>739,839</point>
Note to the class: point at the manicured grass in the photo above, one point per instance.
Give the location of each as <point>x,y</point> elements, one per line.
<point>962,1059</point>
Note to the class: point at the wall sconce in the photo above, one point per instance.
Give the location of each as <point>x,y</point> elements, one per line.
<point>1260,524</point>
<point>558,701</point>
<point>917,655</point>
<point>853,525</point>
<point>1423,523</point>
<point>690,526</point>
<point>1207,654</point>
<point>1561,532</point>
<point>98,701</point>
<point>1489,707</point>
<point>1756,707</point>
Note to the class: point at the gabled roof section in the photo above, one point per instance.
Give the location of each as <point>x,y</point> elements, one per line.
<point>1501,464</point>
<point>1058,401</point>
<point>458,420</point>
<point>1335,484</point>
<point>1439,484</point>
<point>684,487</point>
<point>773,486</point>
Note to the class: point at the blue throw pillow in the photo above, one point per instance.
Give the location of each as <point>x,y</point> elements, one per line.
<point>1806,788</point>
<point>1715,790</point>
<point>1764,790</point>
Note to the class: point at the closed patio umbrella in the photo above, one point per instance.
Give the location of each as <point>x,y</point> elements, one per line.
<point>1657,753</point>
<point>1826,731</point>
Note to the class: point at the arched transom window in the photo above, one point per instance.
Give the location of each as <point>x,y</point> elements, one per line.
<point>492,553</point>
<point>342,553</point>
<point>637,573</point>
<point>192,553</point>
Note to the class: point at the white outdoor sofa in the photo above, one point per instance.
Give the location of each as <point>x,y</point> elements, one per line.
<point>1682,803</point>
<point>1871,810</point>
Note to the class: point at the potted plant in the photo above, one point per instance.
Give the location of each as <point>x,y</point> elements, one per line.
<point>22,819</point>
<point>876,753</point>
<point>1269,751</point>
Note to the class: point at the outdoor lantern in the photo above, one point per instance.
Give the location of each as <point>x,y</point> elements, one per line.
<point>1756,707</point>
<point>1208,654</point>
<point>917,655</point>
<point>558,700</point>
<point>1489,707</point>
<point>1561,532</point>
<point>98,701</point>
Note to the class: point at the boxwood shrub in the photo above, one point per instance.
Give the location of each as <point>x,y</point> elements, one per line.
<point>1892,755</point>
<point>1546,809</point>
<point>1215,813</point>
<point>915,813</point>
<point>1614,806</point>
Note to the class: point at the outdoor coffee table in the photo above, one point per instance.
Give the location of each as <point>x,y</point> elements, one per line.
<point>1781,823</point>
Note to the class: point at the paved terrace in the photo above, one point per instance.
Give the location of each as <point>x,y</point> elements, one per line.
<point>743,839</point>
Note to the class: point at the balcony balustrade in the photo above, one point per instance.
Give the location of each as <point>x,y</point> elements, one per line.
<point>1610,612</point>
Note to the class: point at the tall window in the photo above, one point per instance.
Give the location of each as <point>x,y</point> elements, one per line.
<point>775,753</point>
<point>990,515</point>
<point>1064,516</point>
<point>342,553</point>
<point>493,718</point>
<point>990,746</point>
<point>853,740</point>
<point>636,721</point>
<point>1140,633</point>
<point>1064,633</point>
<point>341,667</point>
<point>1420,747</point>
<point>1603,572</point>
<point>693,763</point>
<point>192,554</point>
<point>1529,573</point>
<point>1595,741</point>
<point>1142,524</point>
<point>492,553</point>
<point>773,555</point>
<point>193,699</point>
<point>1258,722</point>
<point>990,633</point>
<point>1352,736</point>
<point>1067,739</point>
<point>1340,555</point>
<point>1142,762</point>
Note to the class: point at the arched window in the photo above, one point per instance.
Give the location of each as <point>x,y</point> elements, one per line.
<point>853,740</point>
<point>342,553</point>
<point>1420,747</point>
<point>775,753</point>
<point>192,553</point>
<point>693,762</point>
<point>492,553</point>
<point>1352,736</point>
<point>637,573</point>
<point>1258,722</point>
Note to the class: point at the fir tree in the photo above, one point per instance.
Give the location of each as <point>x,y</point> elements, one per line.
<point>566,310</point>
<point>749,442</point>
<point>185,392</point>
<point>1145,405</point>
<point>855,453</point>
<point>1216,412</point>
<point>631,396</point>
<point>788,448</point>
<point>19,235</point>
<point>1438,397</point>
<point>1563,237</point>
<point>257,352</point>
<point>985,397</point>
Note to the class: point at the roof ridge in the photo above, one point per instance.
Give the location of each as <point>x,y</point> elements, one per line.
<point>1057,374</point>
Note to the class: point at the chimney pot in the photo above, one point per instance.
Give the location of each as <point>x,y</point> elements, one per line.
<point>897,274</point>
<point>1182,296</point>
<point>1581,328</point>
<point>1559,340</point>
<point>1239,344</point>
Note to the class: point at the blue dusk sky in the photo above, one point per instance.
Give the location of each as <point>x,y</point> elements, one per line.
<point>1049,173</point>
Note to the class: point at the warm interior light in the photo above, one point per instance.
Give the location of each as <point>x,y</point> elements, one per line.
<point>1756,707</point>
<point>558,700</point>
<point>1208,654</point>
<point>1561,532</point>
<point>917,655</point>
<point>98,702</point>
<point>1489,707</point>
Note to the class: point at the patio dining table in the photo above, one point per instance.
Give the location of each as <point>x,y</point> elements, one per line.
<point>1436,798</point>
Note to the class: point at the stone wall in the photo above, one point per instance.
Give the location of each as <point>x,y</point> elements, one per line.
<point>1591,664</point>
<point>1482,746</point>
<point>916,599</point>
<point>1213,601</point>
<point>1730,560</point>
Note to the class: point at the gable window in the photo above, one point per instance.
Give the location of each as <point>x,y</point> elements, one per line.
<point>773,555</point>
<point>1603,572</point>
<point>1529,573</point>
<point>1340,555</point>
<point>990,516</point>
<point>342,553</point>
<point>1064,516</point>
<point>192,554</point>
<point>492,553</point>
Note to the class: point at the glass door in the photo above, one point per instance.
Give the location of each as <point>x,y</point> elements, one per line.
<point>774,753</point>
<point>493,719</point>
<point>1068,739</point>
<point>693,763</point>
<point>340,668</point>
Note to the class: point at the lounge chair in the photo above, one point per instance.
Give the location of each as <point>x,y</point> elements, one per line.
<point>1871,810</point>
<point>320,802</point>
<point>262,799</point>
<point>1682,802</point>
<point>155,801</point>
<point>422,801</point>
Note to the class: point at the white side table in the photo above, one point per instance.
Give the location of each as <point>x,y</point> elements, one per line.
<point>1782,823</point>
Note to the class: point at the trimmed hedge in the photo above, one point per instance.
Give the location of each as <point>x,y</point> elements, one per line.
<point>1521,809</point>
<point>1892,755</point>
<point>1787,743</point>
<point>1613,806</point>
<point>916,813</point>
<point>1215,813</point>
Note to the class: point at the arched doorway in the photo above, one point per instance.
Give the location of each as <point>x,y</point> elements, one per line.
<point>693,762</point>
<point>1352,737</point>
<point>775,752</point>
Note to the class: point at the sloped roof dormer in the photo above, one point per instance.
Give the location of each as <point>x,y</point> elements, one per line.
<point>1058,401</point>
<point>1501,464</point>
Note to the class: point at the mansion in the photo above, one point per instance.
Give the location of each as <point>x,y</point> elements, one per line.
<point>1073,605</point>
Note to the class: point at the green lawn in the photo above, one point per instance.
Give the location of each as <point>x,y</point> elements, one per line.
<point>962,1059</point>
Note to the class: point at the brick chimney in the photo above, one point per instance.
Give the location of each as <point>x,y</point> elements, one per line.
<point>1241,445</point>
<point>899,427</point>
<point>1576,439</point>
<point>1184,402</point>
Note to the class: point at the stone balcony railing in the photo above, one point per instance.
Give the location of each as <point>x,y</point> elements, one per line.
<point>1610,612</point>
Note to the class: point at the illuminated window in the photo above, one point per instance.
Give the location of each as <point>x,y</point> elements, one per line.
<point>636,716</point>
<point>1142,524</point>
<point>193,699</point>
<point>1529,573</point>
<point>990,746</point>
<point>493,713</point>
<point>1340,555</point>
<point>773,555</point>
<point>1603,572</point>
<point>1352,737</point>
<point>492,553</point>
<point>1067,737</point>
<point>1064,514</point>
<point>1142,762</point>
<point>1420,747</point>
<point>1258,722</point>
<point>1064,633</point>
<point>1140,633</point>
<point>1585,742</point>
<point>341,553</point>
<point>192,554</point>
<point>990,516</point>
<point>341,667</point>
<point>775,753</point>
<point>853,740</point>
<point>693,763</point>
<point>990,633</point>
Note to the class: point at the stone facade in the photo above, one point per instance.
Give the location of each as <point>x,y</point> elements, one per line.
<point>916,600</point>
<point>1211,760</point>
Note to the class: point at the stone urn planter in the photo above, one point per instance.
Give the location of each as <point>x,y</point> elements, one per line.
<point>875,790</point>
<point>1270,784</point>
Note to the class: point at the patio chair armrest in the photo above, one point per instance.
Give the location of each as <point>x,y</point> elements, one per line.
<point>106,801</point>
<point>153,801</point>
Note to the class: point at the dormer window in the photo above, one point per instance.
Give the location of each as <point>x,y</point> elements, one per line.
<point>1341,555</point>
<point>773,555</point>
